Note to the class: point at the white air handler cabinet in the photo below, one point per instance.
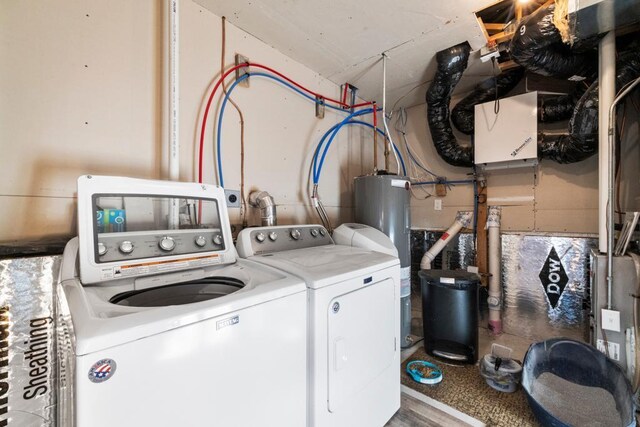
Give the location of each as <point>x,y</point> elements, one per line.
<point>508,139</point>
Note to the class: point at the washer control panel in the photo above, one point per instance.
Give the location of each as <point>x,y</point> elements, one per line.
<point>262,240</point>
<point>122,246</point>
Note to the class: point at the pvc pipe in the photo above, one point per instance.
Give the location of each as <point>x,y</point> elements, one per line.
<point>463,219</point>
<point>606,94</point>
<point>174,95</point>
<point>611,193</point>
<point>495,286</point>
<point>264,201</point>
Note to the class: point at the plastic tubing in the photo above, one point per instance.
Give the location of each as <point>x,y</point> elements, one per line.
<point>317,167</point>
<point>381,132</point>
<point>218,139</point>
<point>224,104</point>
<point>203,125</point>
<point>206,114</point>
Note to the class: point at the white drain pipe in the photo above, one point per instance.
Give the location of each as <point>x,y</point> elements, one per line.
<point>463,219</point>
<point>606,94</point>
<point>174,108</point>
<point>495,286</point>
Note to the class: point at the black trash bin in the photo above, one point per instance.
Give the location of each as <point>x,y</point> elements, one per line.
<point>450,314</point>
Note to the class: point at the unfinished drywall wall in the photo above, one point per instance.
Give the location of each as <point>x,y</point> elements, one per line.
<point>82,93</point>
<point>548,198</point>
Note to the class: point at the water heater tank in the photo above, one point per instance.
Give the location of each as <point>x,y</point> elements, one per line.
<point>383,202</point>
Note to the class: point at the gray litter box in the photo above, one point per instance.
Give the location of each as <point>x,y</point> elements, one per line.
<point>571,383</point>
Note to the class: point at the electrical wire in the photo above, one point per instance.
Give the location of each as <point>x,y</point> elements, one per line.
<point>384,113</point>
<point>400,127</point>
<point>243,202</point>
<point>496,104</point>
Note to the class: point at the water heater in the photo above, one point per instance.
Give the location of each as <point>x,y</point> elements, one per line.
<point>383,202</point>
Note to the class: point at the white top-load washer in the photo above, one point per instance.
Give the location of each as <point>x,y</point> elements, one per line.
<point>354,321</point>
<point>160,325</point>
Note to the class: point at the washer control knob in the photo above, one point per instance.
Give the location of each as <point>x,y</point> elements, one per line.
<point>167,243</point>
<point>260,237</point>
<point>273,236</point>
<point>314,232</point>
<point>201,241</point>
<point>102,249</point>
<point>217,239</point>
<point>126,247</point>
<point>323,232</point>
<point>295,234</point>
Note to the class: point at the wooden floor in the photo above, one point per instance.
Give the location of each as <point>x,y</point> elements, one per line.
<point>414,413</point>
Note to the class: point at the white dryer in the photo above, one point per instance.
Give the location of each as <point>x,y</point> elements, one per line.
<point>160,325</point>
<point>354,321</point>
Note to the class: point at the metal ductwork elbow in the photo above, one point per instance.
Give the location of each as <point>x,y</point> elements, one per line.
<point>264,201</point>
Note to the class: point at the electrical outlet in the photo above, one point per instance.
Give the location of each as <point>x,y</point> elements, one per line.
<point>610,320</point>
<point>241,59</point>
<point>437,204</point>
<point>233,198</point>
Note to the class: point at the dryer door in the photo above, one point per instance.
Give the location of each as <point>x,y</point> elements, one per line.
<point>361,339</point>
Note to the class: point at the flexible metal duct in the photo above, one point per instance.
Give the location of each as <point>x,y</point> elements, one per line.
<point>582,140</point>
<point>462,114</point>
<point>537,45</point>
<point>264,201</point>
<point>451,64</point>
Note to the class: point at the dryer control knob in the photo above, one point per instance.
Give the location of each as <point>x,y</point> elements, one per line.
<point>102,249</point>
<point>314,232</point>
<point>217,239</point>
<point>273,236</point>
<point>126,247</point>
<point>167,243</point>
<point>295,234</point>
<point>260,237</point>
<point>201,241</point>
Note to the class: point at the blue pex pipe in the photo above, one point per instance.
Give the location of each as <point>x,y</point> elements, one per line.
<point>335,128</point>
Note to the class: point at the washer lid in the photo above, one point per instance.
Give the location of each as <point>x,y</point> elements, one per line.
<point>326,265</point>
<point>99,324</point>
<point>134,227</point>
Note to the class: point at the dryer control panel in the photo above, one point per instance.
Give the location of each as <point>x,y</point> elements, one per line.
<point>131,227</point>
<point>262,240</point>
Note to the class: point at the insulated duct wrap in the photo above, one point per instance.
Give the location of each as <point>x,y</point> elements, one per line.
<point>582,140</point>
<point>451,64</point>
<point>537,45</point>
<point>27,346</point>
<point>560,107</point>
<point>462,114</point>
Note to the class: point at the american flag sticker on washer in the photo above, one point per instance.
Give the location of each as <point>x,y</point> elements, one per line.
<point>102,370</point>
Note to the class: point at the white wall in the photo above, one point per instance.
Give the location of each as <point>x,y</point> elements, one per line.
<point>81,93</point>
